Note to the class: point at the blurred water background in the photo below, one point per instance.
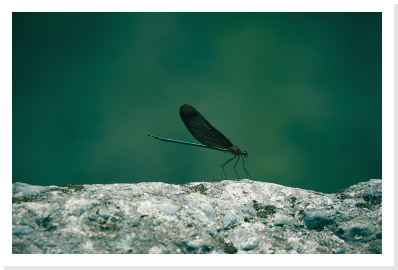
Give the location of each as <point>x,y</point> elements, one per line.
<point>301,92</point>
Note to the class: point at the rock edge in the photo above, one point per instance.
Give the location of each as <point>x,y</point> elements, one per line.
<point>221,217</point>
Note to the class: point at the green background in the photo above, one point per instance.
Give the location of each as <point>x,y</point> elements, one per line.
<point>301,92</point>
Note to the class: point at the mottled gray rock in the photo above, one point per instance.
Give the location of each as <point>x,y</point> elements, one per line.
<point>135,221</point>
<point>156,250</point>
<point>317,219</point>
<point>338,251</point>
<point>199,245</point>
<point>211,231</point>
<point>165,241</point>
<point>243,240</point>
<point>208,217</point>
<point>209,211</point>
<point>169,209</point>
<point>21,230</point>
<point>205,236</point>
<point>280,220</point>
<point>20,190</point>
<point>250,243</point>
<point>248,212</point>
<point>357,230</point>
<point>231,220</point>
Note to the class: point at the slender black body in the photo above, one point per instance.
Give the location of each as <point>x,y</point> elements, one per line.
<point>209,136</point>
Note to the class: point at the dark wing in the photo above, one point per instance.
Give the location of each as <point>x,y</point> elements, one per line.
<point>202,130</point>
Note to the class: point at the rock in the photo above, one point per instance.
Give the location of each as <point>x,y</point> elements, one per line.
<point>199,245</point>
<point>317,219</point>
<point>355,230</point>
<point>231,220</point>
<point>250,243</point>
<point>209,211</point>
<point>209,217</point>
<point>338,251</point>
<point>136,221</point>
<point>280,220</point>
<point>243,240</point>
<point>169,209</point>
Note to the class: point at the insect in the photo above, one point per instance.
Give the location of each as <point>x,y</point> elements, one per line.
<point>209,137</point>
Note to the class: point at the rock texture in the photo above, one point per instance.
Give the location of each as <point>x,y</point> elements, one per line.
<point>209,217</point>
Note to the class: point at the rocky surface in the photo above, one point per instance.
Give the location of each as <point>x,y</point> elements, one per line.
<point>208,217</point>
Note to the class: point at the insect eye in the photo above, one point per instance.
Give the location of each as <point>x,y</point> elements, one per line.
<point>245,153</point>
